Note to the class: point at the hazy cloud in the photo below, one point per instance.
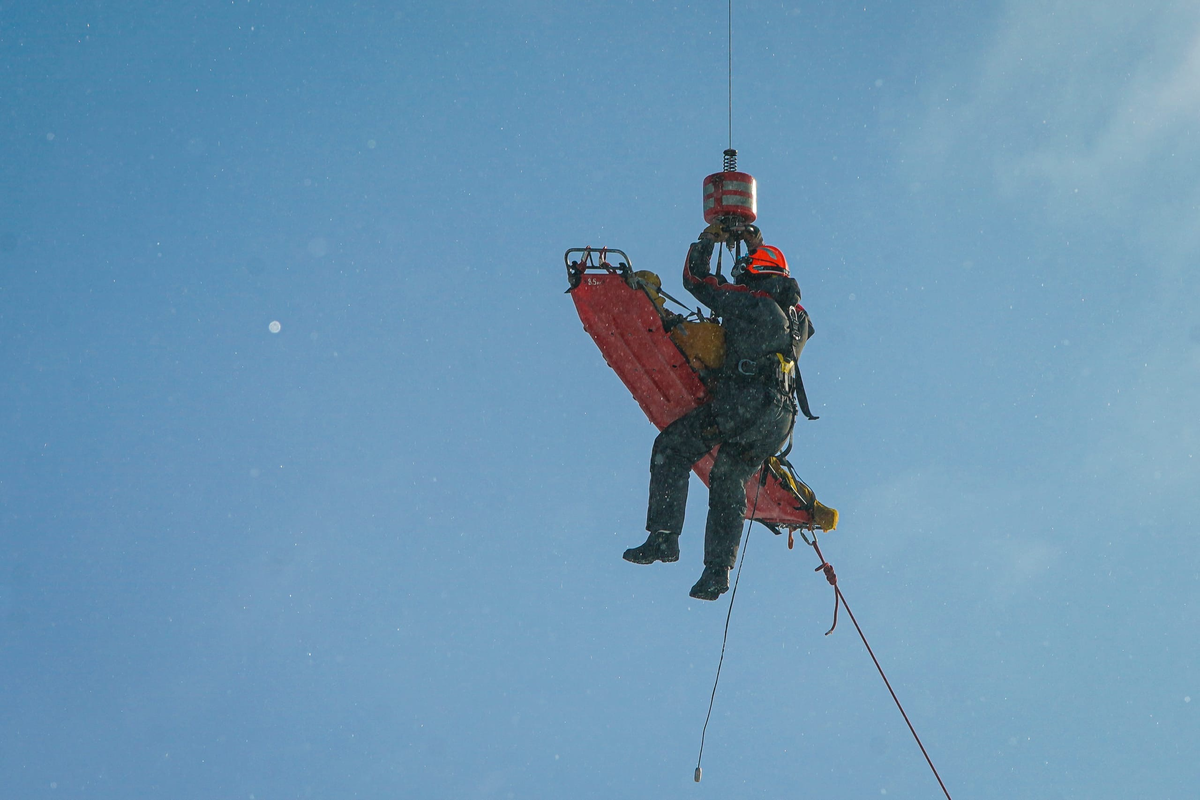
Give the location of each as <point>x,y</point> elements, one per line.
<point>1088,109</point>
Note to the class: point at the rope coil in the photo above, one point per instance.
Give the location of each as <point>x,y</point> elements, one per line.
<point>830,576</point>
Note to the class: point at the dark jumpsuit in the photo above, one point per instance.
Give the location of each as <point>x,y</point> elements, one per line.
<point>751,411</point>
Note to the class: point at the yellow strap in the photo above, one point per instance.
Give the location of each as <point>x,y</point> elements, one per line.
<point>822,516</point>
<point>786,364</point>
<point>784,475</point>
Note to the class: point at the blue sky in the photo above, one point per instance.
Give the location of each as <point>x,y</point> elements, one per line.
<point>377,553</point>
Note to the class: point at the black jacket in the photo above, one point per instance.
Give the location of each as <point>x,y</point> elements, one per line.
<point>761,315</point>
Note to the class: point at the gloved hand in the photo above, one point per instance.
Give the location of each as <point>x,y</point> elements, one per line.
<point>745,232</point>
<point>714,232</point>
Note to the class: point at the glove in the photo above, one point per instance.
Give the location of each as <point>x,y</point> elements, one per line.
<point>714,232</point>
<point>698,256</point>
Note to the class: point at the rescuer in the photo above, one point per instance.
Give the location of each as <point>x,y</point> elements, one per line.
<point>752,409</point>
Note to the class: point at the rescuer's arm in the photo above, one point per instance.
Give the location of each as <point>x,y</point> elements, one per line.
<point>698,278</point>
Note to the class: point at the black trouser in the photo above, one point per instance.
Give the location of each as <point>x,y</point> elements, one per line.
<point>750,421</point>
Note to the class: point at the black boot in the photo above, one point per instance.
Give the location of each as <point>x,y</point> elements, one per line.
<point>659,546</point>
<point>713,583</point>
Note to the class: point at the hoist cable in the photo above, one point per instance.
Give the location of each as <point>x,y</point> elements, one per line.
<point>730,74</point>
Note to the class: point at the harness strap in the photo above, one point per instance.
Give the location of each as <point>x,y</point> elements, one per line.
<point>775,368</point>
<point>802,397</point>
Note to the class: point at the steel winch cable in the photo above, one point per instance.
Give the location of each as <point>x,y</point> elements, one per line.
<point>730,29</point>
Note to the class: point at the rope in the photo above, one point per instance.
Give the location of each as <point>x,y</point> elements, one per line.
<point>672,299</point>
<point>728,614</point>
<point>830,576</point>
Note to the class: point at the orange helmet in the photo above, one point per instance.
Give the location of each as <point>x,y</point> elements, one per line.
<point>765,260</point>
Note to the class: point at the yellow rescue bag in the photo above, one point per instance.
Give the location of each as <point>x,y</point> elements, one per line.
<point>702,342</point>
